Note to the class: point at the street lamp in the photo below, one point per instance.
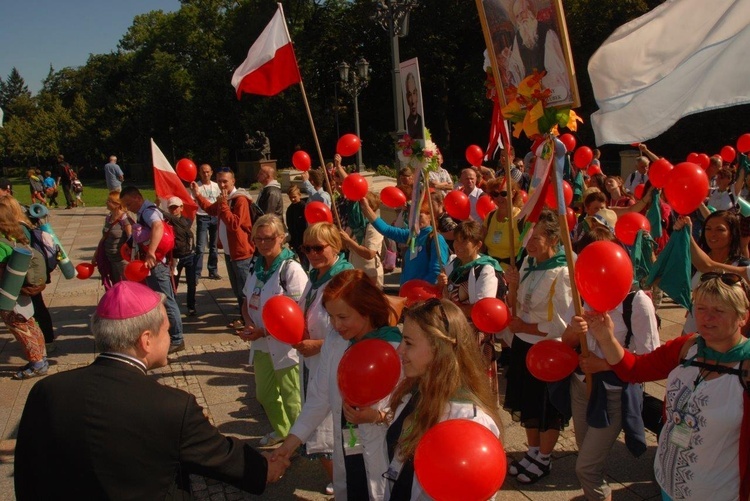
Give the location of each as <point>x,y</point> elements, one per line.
<point>353,82</point>
<point>393,17</point>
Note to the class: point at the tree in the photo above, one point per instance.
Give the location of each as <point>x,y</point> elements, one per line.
<point>12,88</point>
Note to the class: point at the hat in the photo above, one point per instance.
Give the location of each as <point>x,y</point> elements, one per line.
<point>174,201</point>
<point>516,174</point>
<point>127,300</point>
<point>604,217</point>
<point>5,184</point>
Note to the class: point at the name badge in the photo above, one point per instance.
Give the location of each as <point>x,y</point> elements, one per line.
<point>352,445</point>
<point>254,301</point>
<point>496,237</point>
<point>681,436</point>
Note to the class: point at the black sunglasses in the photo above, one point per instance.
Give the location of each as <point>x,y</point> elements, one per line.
<point>499,193</point>
<point>432,302</point>
<point>727,278</point>
<point>317,249</point>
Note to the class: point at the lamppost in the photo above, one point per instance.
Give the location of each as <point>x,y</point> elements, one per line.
<point>393,17</point>
<point>353,82</point>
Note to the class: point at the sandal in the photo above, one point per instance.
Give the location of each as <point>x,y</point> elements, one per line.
<point>516,467</point>
<point>236,325</point>
<point>530,477</point>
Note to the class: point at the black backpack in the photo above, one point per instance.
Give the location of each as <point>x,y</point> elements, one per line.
<point>502,286</point>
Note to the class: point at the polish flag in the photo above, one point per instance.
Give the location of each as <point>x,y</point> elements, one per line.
<point>270,66</point>
<point>168,184</point>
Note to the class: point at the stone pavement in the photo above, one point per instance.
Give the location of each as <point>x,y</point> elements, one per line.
<point>214,368</point>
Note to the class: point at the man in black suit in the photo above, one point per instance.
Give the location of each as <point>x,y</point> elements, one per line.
<point>108,431</point>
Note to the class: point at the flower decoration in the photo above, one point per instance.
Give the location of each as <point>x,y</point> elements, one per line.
<point>529,113</point>
<point>418,153</point>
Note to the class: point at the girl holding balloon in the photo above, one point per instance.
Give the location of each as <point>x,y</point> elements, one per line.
<point>444,379</point>
<point>541,292</point>
<point>276,363</point>
<point>599,419</point>
<point>358,311</point>
<point>322,246</point>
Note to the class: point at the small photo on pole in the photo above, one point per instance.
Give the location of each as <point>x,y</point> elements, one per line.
<point>413,105</point>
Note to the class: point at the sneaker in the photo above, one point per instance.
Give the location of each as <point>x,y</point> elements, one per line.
<point>214,276</point>
<point>175,347</point>
<point>51,347</point>
<point>271,439</point>
<point>29,371</point>
<point>192,312</point>
<point>329,489</point>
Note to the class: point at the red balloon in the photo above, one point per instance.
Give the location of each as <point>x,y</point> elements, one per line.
<point>485,205</point>
<point>628,225</point>
<point>186,170</point>
<point>460,459</point>
<point>524,196</point>
<point>85,270</point>
<point>348,145</point>
<point>570,215</point>
<point>393,197</point>
<point>457,205</point>
<point>635,145</point>
<point>743,143</point>
<point>604,275</point>
<point>301,160</point>
<point>692,158</point>
<point>136,271</point>
<point>593,170</point>
<point>658,172</point>
<point>318,212</point>
<point>728,154</point>
<point>569,141</point>
<point>686,187</point>
<point>474,155</point>
<point>368,372</point>
<point>704,160</point>
<point>583,156</point>
<point>283,319</point>
<point>354,187</point>
<point>490,315</point>
<point>126,252</point>
<point>550,198</point>
<point>638,191</point>
<point>551,361</point>
<point>417,290</point>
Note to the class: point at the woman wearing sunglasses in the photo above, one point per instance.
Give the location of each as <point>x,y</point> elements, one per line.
<point>358,311</point>
<point>704,447</point>
<point>322,245</point>
<point>444,379</point>
<point>277,383</point>
<point>497,238</point>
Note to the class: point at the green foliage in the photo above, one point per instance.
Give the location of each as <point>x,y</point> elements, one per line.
<point>386,170</point>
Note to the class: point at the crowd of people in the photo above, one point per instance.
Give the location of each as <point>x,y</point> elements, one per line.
<point>335,273</point>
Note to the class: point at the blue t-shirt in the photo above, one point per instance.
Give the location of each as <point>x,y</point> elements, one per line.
<point>112,174</point>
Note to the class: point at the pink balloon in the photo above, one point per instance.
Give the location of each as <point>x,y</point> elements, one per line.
<point>301,160</point>
<point>457,205</point>
<point>354,187</point>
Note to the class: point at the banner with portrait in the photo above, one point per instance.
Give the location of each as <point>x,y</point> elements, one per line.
<point>411,88</point>
<point>527,35</point>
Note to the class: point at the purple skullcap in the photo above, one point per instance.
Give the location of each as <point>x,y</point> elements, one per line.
<point>127,299</point>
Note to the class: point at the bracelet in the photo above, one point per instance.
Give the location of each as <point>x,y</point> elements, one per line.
<point>382,419</point>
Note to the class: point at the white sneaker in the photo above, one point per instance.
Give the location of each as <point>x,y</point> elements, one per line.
<point>329,489</point>
<point>271,439</point>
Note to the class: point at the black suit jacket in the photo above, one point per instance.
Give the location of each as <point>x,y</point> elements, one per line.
<point>108,431</point>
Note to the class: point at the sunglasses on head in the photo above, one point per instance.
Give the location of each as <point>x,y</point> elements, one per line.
<point>317,249</point>
<point>500,193</point>
<point>727,278</point>
<point>432,302</point>
<point>224,169</point>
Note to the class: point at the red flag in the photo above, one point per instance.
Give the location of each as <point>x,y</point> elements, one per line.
<point>168,184</point>
<point>270,66</point>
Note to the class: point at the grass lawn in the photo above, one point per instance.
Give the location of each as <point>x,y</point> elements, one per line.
<point>94,192</point>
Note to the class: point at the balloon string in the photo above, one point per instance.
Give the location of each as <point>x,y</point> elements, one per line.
<point>352,436</point>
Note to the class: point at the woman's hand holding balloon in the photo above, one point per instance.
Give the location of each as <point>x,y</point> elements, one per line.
<point>592,364</point>
<point>362,415</point>
<point>308,347</point>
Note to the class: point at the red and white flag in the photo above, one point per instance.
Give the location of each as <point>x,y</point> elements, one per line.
<point>168,184</point>
<point>270,66</point>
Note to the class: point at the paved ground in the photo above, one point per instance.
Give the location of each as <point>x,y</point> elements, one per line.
<point>214,368</point>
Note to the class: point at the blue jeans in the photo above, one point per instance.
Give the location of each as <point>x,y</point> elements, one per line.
<point>206,233</point>
<point>160,281</point>
<point>187,263</point>
<point>238,272</point>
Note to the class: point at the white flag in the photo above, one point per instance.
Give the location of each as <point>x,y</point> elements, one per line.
<point>683,57</point>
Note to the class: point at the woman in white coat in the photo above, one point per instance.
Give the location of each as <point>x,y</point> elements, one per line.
<point>444,379</point>
<point>358,311</point>
<point>276,364</point>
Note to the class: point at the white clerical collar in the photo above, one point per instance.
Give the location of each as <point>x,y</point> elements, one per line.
<point>126,359</point>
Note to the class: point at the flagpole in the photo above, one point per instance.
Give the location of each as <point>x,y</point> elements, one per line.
<point>568,246</point>
<point>426,183</point>
<point>314,132</point>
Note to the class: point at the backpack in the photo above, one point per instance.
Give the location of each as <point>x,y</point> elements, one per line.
<point>502,287</point>
<point>255,211</point>
<point>45,244</point>
<point>184,240</point>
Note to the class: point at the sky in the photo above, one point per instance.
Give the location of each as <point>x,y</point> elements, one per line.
<point>37,33</point>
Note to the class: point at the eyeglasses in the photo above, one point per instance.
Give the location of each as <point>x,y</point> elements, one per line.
<point>266,240</point>
<point>432,302</point>
<point>317,249</point>
<point>500,193</point>
<point>727,278</point>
